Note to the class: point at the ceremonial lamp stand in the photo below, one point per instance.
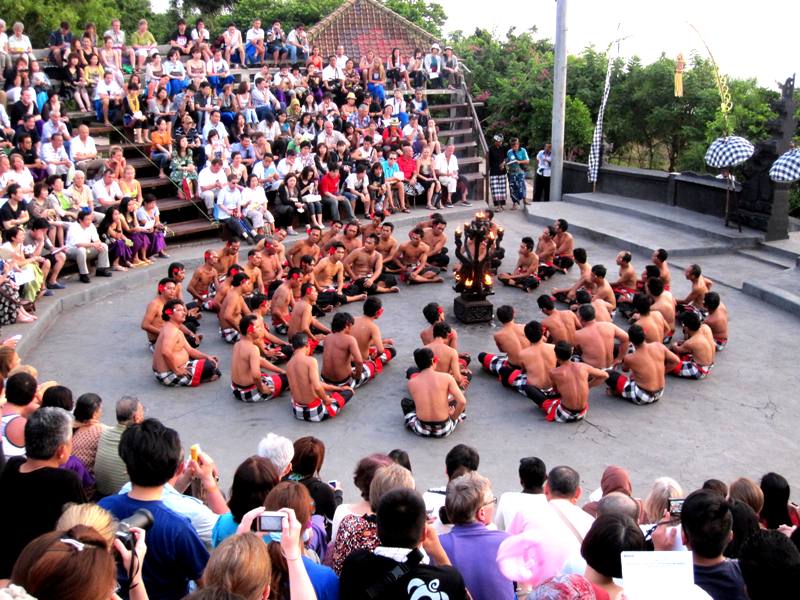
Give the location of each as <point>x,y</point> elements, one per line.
<point>474,278</point>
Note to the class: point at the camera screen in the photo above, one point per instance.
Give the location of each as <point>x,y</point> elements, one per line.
<point>675,506</point>
<point>270,522</point>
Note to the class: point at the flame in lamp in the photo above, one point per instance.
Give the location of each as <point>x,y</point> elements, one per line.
<point>480,215</point>
<point>468,283</point>
<point>487,279</point>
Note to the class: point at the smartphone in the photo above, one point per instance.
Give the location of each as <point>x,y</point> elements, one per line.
<point>333,483</point>
<point>270,521</point>
<point>675,505</point>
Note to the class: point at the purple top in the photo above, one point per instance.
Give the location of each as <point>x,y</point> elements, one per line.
<point>472,549</point>
<point>74,464</point>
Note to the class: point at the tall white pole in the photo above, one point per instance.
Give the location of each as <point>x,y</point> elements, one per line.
<point>559,100</point>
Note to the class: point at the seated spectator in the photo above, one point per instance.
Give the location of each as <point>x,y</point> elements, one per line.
<point>279,451</point>
<point>309,454</point>
<point>234,44</point>
<point>770,565</point>
<point>362,479</point>
<point>252,481</point>
<point>255,48</point>
<point>83,152</point>
<point>532,475</point>
<point>706,524</point>
<point>610,536</point>
<point>34,488</point>
<point>109,469</point>
<point>78,564</point>
<point>83,244</point>
<point>656,502</point>
<point>777,511</point>
<point>295,496</point>
<point>746,490</point>
<point>745,524</point>
<point>107,99</point>
<point>209,183</point>
<point>614,479</point>
<point>242,565</point>
<point>87,429</point>
<point>143,44</point>
<point>470,507</point>
<point>401,529</point>
<point>433,67</point>
<point>21,402</point>
<point>202,514</point>
<point>358,531</point>
<point>55,124</point>
<point>19,44</point>
<point>176,554</point>
<point>56,158</point>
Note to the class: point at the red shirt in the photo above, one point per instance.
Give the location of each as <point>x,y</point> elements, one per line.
<point>329,183</point>
<point>407,165</point>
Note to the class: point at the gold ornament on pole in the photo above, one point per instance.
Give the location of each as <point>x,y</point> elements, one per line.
<point>680,65</point>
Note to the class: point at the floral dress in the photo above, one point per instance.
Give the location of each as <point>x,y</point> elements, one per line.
<point>179,164</point>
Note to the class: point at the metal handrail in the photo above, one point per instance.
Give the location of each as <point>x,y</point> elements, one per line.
<point>483,147</point>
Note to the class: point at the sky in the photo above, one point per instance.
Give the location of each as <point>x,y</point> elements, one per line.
<point>739,32</point>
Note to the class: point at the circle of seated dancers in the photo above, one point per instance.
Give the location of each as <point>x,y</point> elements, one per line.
<point>270,307</point>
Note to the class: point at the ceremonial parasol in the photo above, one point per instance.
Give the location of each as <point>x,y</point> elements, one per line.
<point>787,168</point>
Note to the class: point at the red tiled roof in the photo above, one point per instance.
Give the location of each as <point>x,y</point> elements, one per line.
<point>363,25</point>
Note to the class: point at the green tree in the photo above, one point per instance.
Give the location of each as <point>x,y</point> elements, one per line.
<point>428,15</point>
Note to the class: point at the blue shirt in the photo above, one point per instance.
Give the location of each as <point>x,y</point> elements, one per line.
<point>224,527</point>
<point>515,167</point>
<point>175,553</point>
<point>472,550</point>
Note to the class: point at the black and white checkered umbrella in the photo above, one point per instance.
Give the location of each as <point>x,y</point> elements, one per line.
<point>726,152</point>
<point>787,168</point>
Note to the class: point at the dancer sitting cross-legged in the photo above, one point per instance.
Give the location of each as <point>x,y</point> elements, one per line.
<point>312,399</point>
<point>175,362</point>
<point>342,361</point>
<point>250,380</point>
<point>437,404</point>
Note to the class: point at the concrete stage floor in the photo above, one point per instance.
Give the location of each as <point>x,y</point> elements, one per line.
<point>742,420</point>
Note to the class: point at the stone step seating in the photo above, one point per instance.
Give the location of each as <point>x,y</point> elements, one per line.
<point>672,216</point>
<point>779,289</point>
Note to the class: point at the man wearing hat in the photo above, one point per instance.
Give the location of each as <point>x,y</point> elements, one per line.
<point>433,66</point>
<point>497,173</point>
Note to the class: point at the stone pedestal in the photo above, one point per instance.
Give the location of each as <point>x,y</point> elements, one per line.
<point>472,311</point>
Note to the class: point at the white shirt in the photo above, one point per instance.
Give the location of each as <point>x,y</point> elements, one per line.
<point>4,120</point>
<point>50,154</point>
<point>215,67</point>
<point>513,503</point>
<point>3,42</point>
<point>117,38</point>
<point>49,129</point>
<point>106,195</point>
<point>196,35</point>
<point>76,234</point>
<point>19,44</point>
<point>543,161</point>
<point>262,173</point>
<point>207,177</point>
<point>411,130</point>
<point>330,72</point>
<point>110,89</point>
<point>284,168</point>
<point>232,39</point>
<point>254,199</point>
<point>255,34</point>
<point>230,200</point>
<point>443,166</point>
<point>219,128</point>
<point>78,146</point>
<point>398,106</point>
<point>352,183</point>
<point>341,61</point>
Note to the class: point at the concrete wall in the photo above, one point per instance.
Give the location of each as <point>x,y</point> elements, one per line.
<point>701,193</point>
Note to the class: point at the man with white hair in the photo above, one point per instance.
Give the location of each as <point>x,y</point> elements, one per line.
<point>83,152</point>
<point>279,451</point>
<point>55,156</point>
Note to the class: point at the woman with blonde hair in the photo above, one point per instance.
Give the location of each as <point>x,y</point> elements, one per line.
<point>657,500</point>
<point>90,515</point>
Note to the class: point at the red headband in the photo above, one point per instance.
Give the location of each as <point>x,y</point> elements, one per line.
<point>160,287</point>
<point>251,328</point>
<point>207,255</point>
<point>234,272</point>
<point>295,275</point>
<point>440,310</point>
<point>331,250</point>
<point>168,312</point>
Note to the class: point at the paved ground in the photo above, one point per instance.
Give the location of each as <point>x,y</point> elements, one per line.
<point>741,421</point>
